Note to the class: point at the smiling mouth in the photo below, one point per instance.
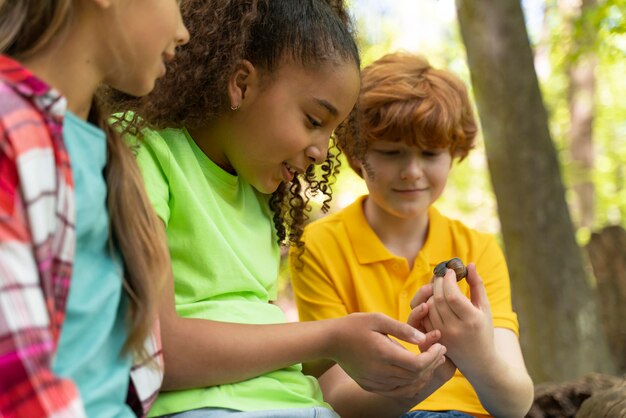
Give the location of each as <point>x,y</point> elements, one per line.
<point>410,190</point>
<point>288,172</point>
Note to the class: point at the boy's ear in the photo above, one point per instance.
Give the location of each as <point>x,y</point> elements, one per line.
<point>242,83</point>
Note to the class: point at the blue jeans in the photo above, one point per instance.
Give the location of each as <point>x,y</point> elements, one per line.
<point>436,414</point>
<point>315,412</point>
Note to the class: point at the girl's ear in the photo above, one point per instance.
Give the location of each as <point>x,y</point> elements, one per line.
<point>242,83</point>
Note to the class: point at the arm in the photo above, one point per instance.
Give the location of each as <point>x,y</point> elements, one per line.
<point>349,400</point>
<point>490,359</point>
<point>28,387</point>
<point>200,353</point>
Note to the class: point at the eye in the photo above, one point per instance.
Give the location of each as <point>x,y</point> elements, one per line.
<point>314,122</point>
<point>431,153</point>
<point>387,152</point>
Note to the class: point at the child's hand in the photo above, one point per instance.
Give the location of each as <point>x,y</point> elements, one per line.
<point>465,324</point>
<point>419,307</point>
<point>378,363</point>
<point>447,368</point>
<point>432,376</point>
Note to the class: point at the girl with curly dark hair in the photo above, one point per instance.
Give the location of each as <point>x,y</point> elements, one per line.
<point>237,123</point>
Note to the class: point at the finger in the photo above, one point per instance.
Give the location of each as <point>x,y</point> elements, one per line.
<point>399,357</point>
<point>428,325</point>
<point>446,291</point>
<point>439,358</point>
<point>372,385</point>
<point>478,293</point>
<point>398,376</point>
<point>392,376</point>
<point>417,315</point>
<point>431,338</point>
<point>437,304</point>
<point>401,331</point>
<point>456,302</point>
<point>432,358</point>
<point>422,295</point>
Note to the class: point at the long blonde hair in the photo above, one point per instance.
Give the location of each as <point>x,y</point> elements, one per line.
<point>29,26</point>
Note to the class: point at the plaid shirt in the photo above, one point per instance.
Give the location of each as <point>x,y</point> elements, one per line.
<point>37,214</point>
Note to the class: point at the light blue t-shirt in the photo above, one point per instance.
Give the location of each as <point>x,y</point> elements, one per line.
<point>94,330</point>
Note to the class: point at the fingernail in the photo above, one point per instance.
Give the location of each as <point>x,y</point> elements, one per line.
<point>420,308</point>
<point>419,337</point>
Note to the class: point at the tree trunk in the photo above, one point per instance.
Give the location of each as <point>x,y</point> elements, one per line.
<point>556,307</point>
<point>607,252</point>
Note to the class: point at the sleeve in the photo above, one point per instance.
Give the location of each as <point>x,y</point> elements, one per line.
<point>491,266</point>
<point>318,295</point>
<point>154,158</point>
<point>28,386</point>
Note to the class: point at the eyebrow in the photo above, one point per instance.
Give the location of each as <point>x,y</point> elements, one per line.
<point>326,104</point>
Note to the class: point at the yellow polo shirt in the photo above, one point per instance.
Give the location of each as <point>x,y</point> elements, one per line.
<point>345,268</point>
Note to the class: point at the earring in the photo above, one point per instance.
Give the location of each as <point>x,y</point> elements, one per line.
<point>234,107</point>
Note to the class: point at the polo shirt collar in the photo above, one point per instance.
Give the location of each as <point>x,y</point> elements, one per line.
<point>366,244</point>
<point>369,248</point>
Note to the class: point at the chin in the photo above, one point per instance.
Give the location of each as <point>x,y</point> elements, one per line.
<point>145,90</point>
<point>138,88</point>
<point>266,188</point>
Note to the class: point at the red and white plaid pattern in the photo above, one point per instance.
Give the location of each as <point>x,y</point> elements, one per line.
<point>36,253</point>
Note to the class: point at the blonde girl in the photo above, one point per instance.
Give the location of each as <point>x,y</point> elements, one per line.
<point>81,257</point>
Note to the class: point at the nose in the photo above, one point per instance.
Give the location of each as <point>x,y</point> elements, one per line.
<point>182,34</point>
<point>412,169</point>
<point>318,152</point>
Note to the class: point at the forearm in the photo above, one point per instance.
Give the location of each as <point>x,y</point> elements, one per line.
<point>28,384</point>
<point>200,353</point>
<point>503,390</point>
<point>351,401</point>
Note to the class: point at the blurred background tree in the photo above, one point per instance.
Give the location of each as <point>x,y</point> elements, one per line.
<point>579,48</point>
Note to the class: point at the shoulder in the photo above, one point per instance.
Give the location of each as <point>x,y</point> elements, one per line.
<point>460,235</point>
<point>16,109</point>
<point>327,226</point>
<point>22,126</point>
<point>156,145</point>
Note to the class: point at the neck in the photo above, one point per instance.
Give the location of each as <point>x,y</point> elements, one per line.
<point>403,237</point>
<point>69,67</point>
<point>210,139</point>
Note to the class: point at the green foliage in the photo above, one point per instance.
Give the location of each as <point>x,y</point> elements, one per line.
<point>599,33</point>
<point>565,39</point>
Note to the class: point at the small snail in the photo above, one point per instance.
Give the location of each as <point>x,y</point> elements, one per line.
<point>455,264</point>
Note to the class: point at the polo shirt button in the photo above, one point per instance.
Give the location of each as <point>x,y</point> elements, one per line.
<point>395,266</point>
<point>403,294</point>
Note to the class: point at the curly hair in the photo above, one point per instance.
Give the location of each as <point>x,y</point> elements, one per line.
<point>403,98</point>
<point>264,32</point>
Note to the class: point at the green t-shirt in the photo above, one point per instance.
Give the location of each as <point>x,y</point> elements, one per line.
<point>225,260</point>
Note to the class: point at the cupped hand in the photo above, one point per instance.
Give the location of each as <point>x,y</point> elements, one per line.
<point>435,371</point>
<point>364,349</point>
